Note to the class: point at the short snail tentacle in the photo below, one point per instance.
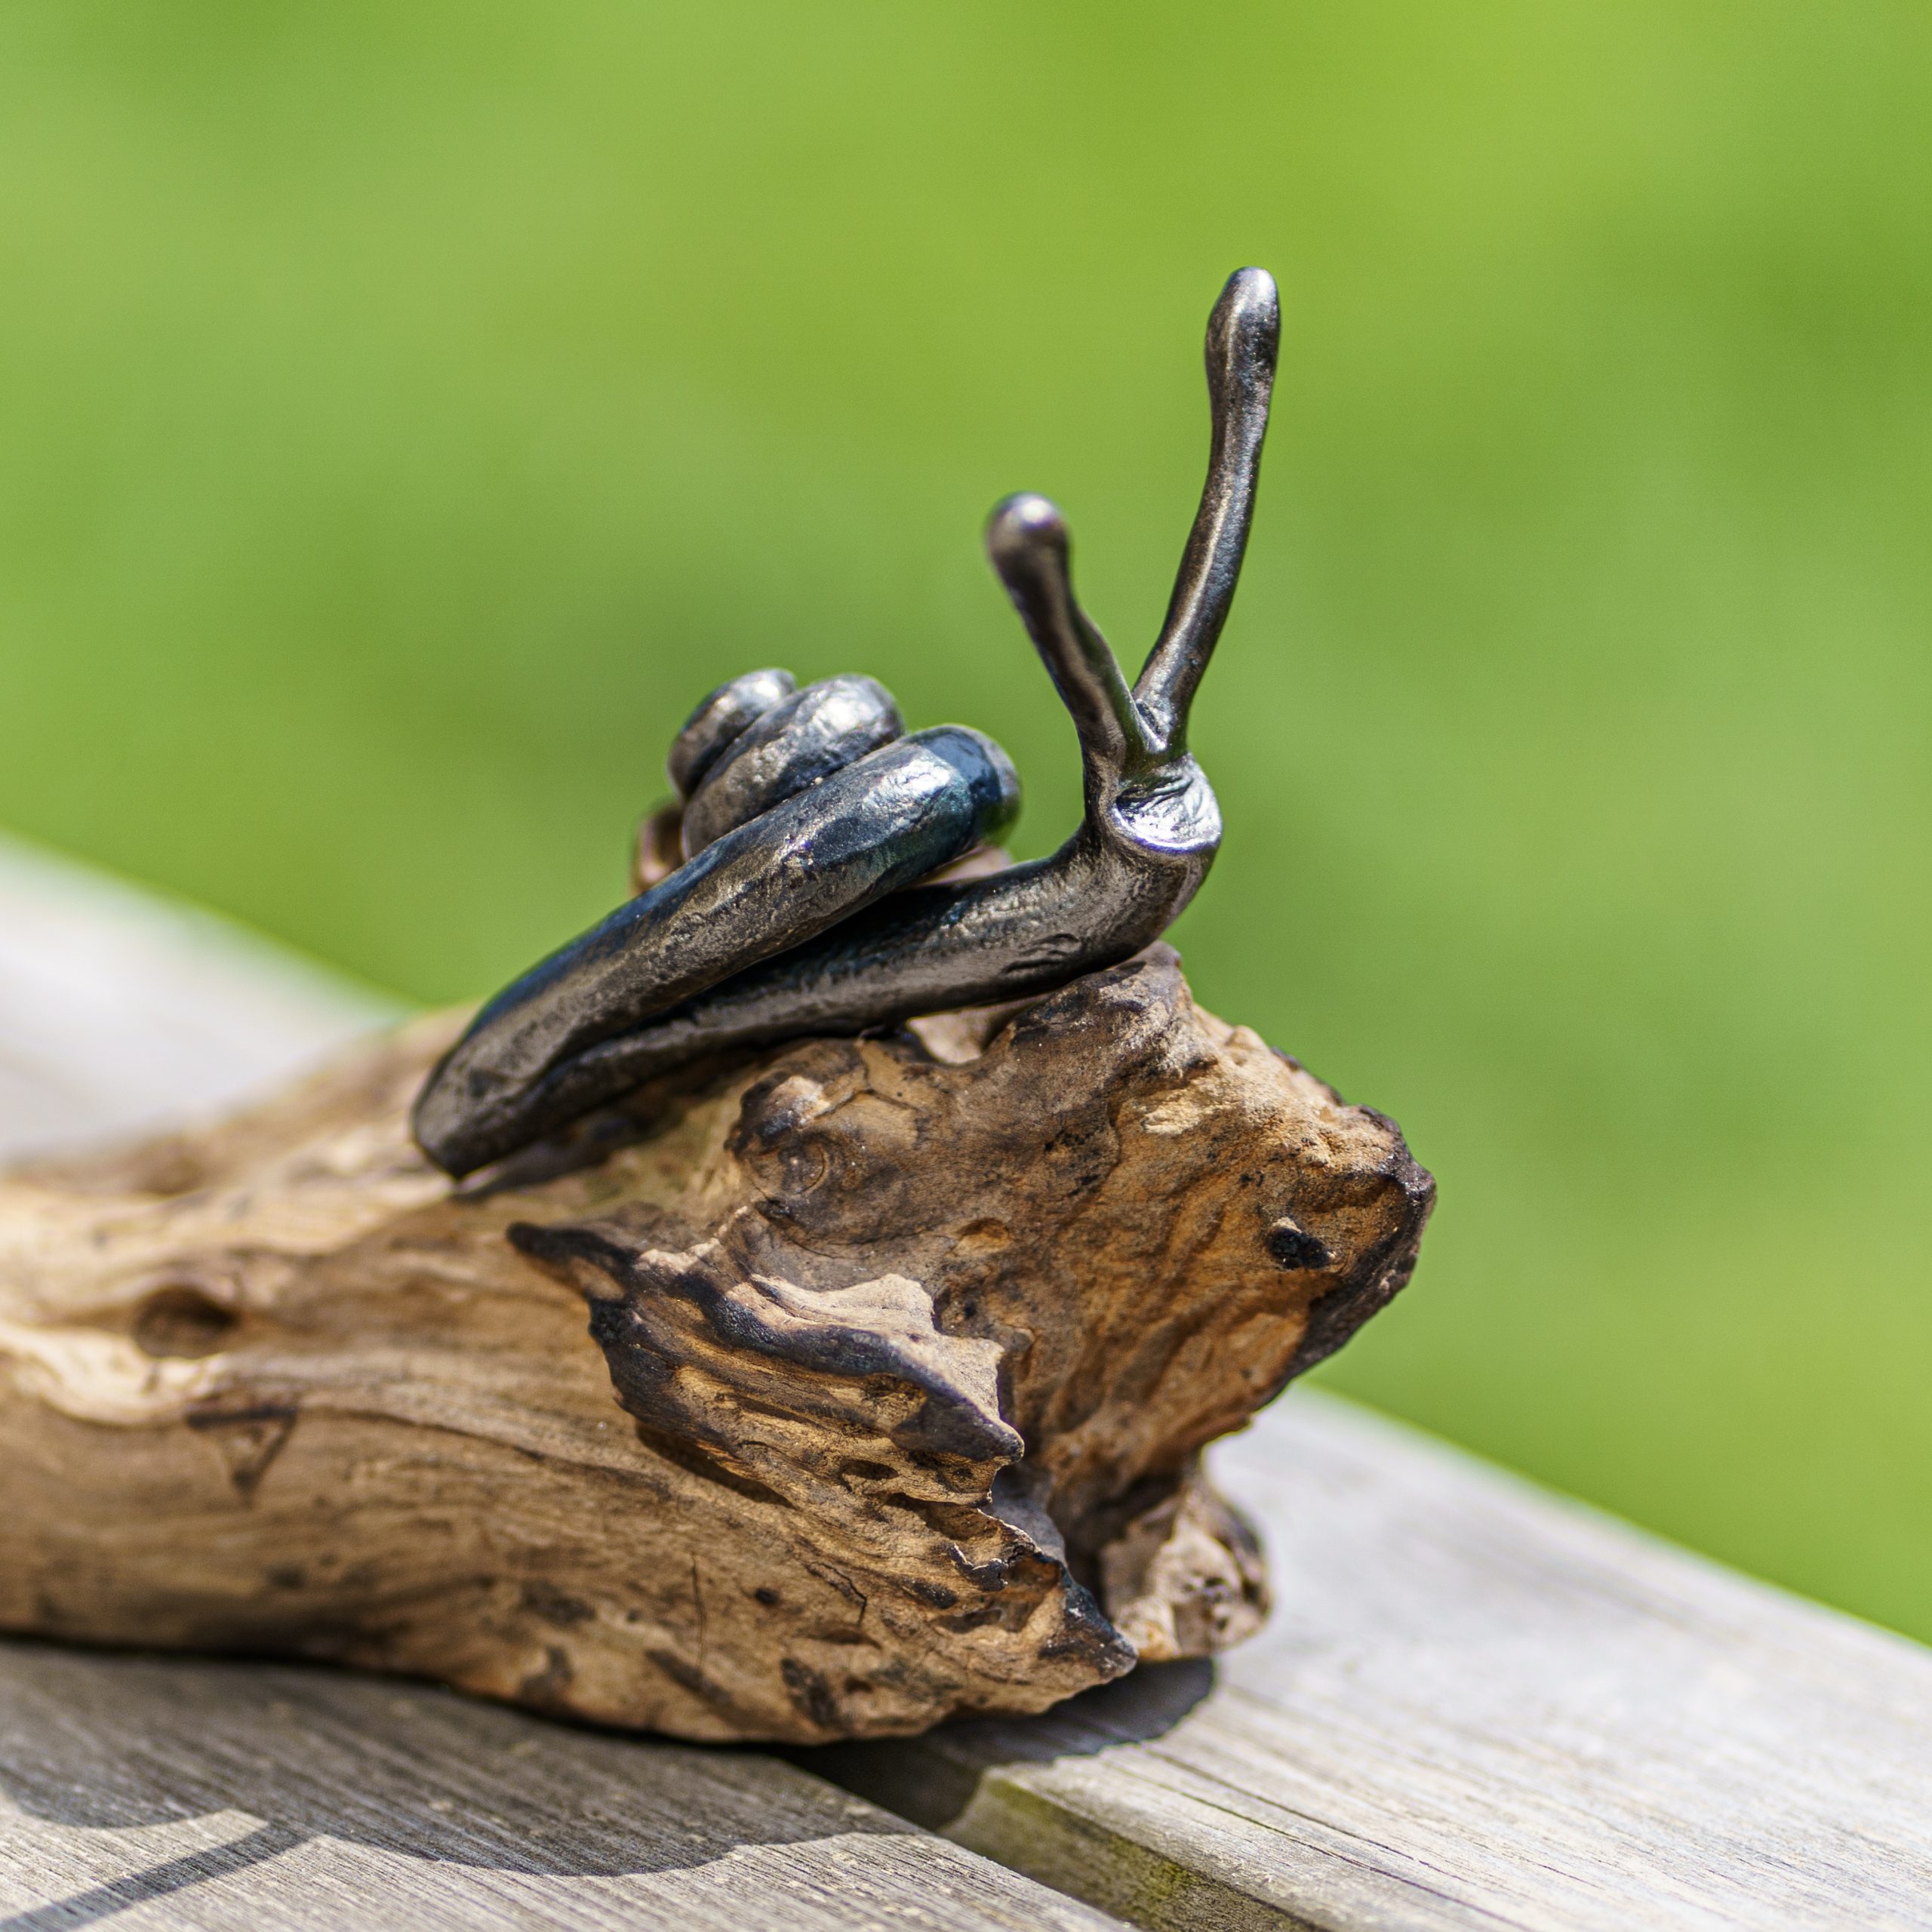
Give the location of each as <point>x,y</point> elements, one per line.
<point>809,820</point>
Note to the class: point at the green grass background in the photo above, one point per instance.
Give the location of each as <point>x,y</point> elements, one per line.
<point>406,410</point>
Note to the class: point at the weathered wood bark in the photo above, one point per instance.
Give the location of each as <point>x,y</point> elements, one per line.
<point>901,1355</point>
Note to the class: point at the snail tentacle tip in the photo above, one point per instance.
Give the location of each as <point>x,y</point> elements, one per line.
<point>1253,286</point>
<point>1027,509</point>
<point>1251,303</point>
<point>1023,525</point>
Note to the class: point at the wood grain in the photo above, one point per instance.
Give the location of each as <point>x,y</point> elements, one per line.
<point>259,1798</point>
<point>1477,1706</point>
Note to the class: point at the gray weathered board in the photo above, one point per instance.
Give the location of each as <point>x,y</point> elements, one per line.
<point>1476,1706</point>
<point>119,1011</point>
<point>238,1798</point>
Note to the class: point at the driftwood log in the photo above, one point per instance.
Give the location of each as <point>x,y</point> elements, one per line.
<point>900,1356</point>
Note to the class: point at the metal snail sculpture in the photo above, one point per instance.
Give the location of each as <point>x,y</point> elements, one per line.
<point>810,819</point>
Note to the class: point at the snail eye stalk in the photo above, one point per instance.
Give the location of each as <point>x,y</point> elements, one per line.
<point>1243,336</point>
<point>1123,730</point>
<point>1026,538</point>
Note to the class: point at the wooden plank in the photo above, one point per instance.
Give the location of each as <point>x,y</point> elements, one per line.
<point>242,1798</point>
<point>121,1011</point>
<point>1476,1706</point>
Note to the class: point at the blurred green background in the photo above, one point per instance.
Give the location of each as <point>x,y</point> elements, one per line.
<point>408,410</point>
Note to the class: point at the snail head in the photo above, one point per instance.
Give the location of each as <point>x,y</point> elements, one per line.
<point>1129,733</point>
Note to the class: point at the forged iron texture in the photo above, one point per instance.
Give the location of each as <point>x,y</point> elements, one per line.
<point>808,820</point>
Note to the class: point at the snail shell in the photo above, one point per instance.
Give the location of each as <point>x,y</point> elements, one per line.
<point>805,806</point>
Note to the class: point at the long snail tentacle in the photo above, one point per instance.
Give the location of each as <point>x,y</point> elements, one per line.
<point>809,819</point>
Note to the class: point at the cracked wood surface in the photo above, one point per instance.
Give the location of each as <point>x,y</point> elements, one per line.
<point>825,1393</point>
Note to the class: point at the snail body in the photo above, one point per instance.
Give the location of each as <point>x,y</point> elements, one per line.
<point>809,820</point>
<point>781,877</point>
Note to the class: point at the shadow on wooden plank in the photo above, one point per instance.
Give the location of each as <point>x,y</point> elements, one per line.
<point>1477,1705</point>
<point>933,1780</point>
<point>129,1742</point>
<point>157,1881</point>
<point>128,1779</point>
